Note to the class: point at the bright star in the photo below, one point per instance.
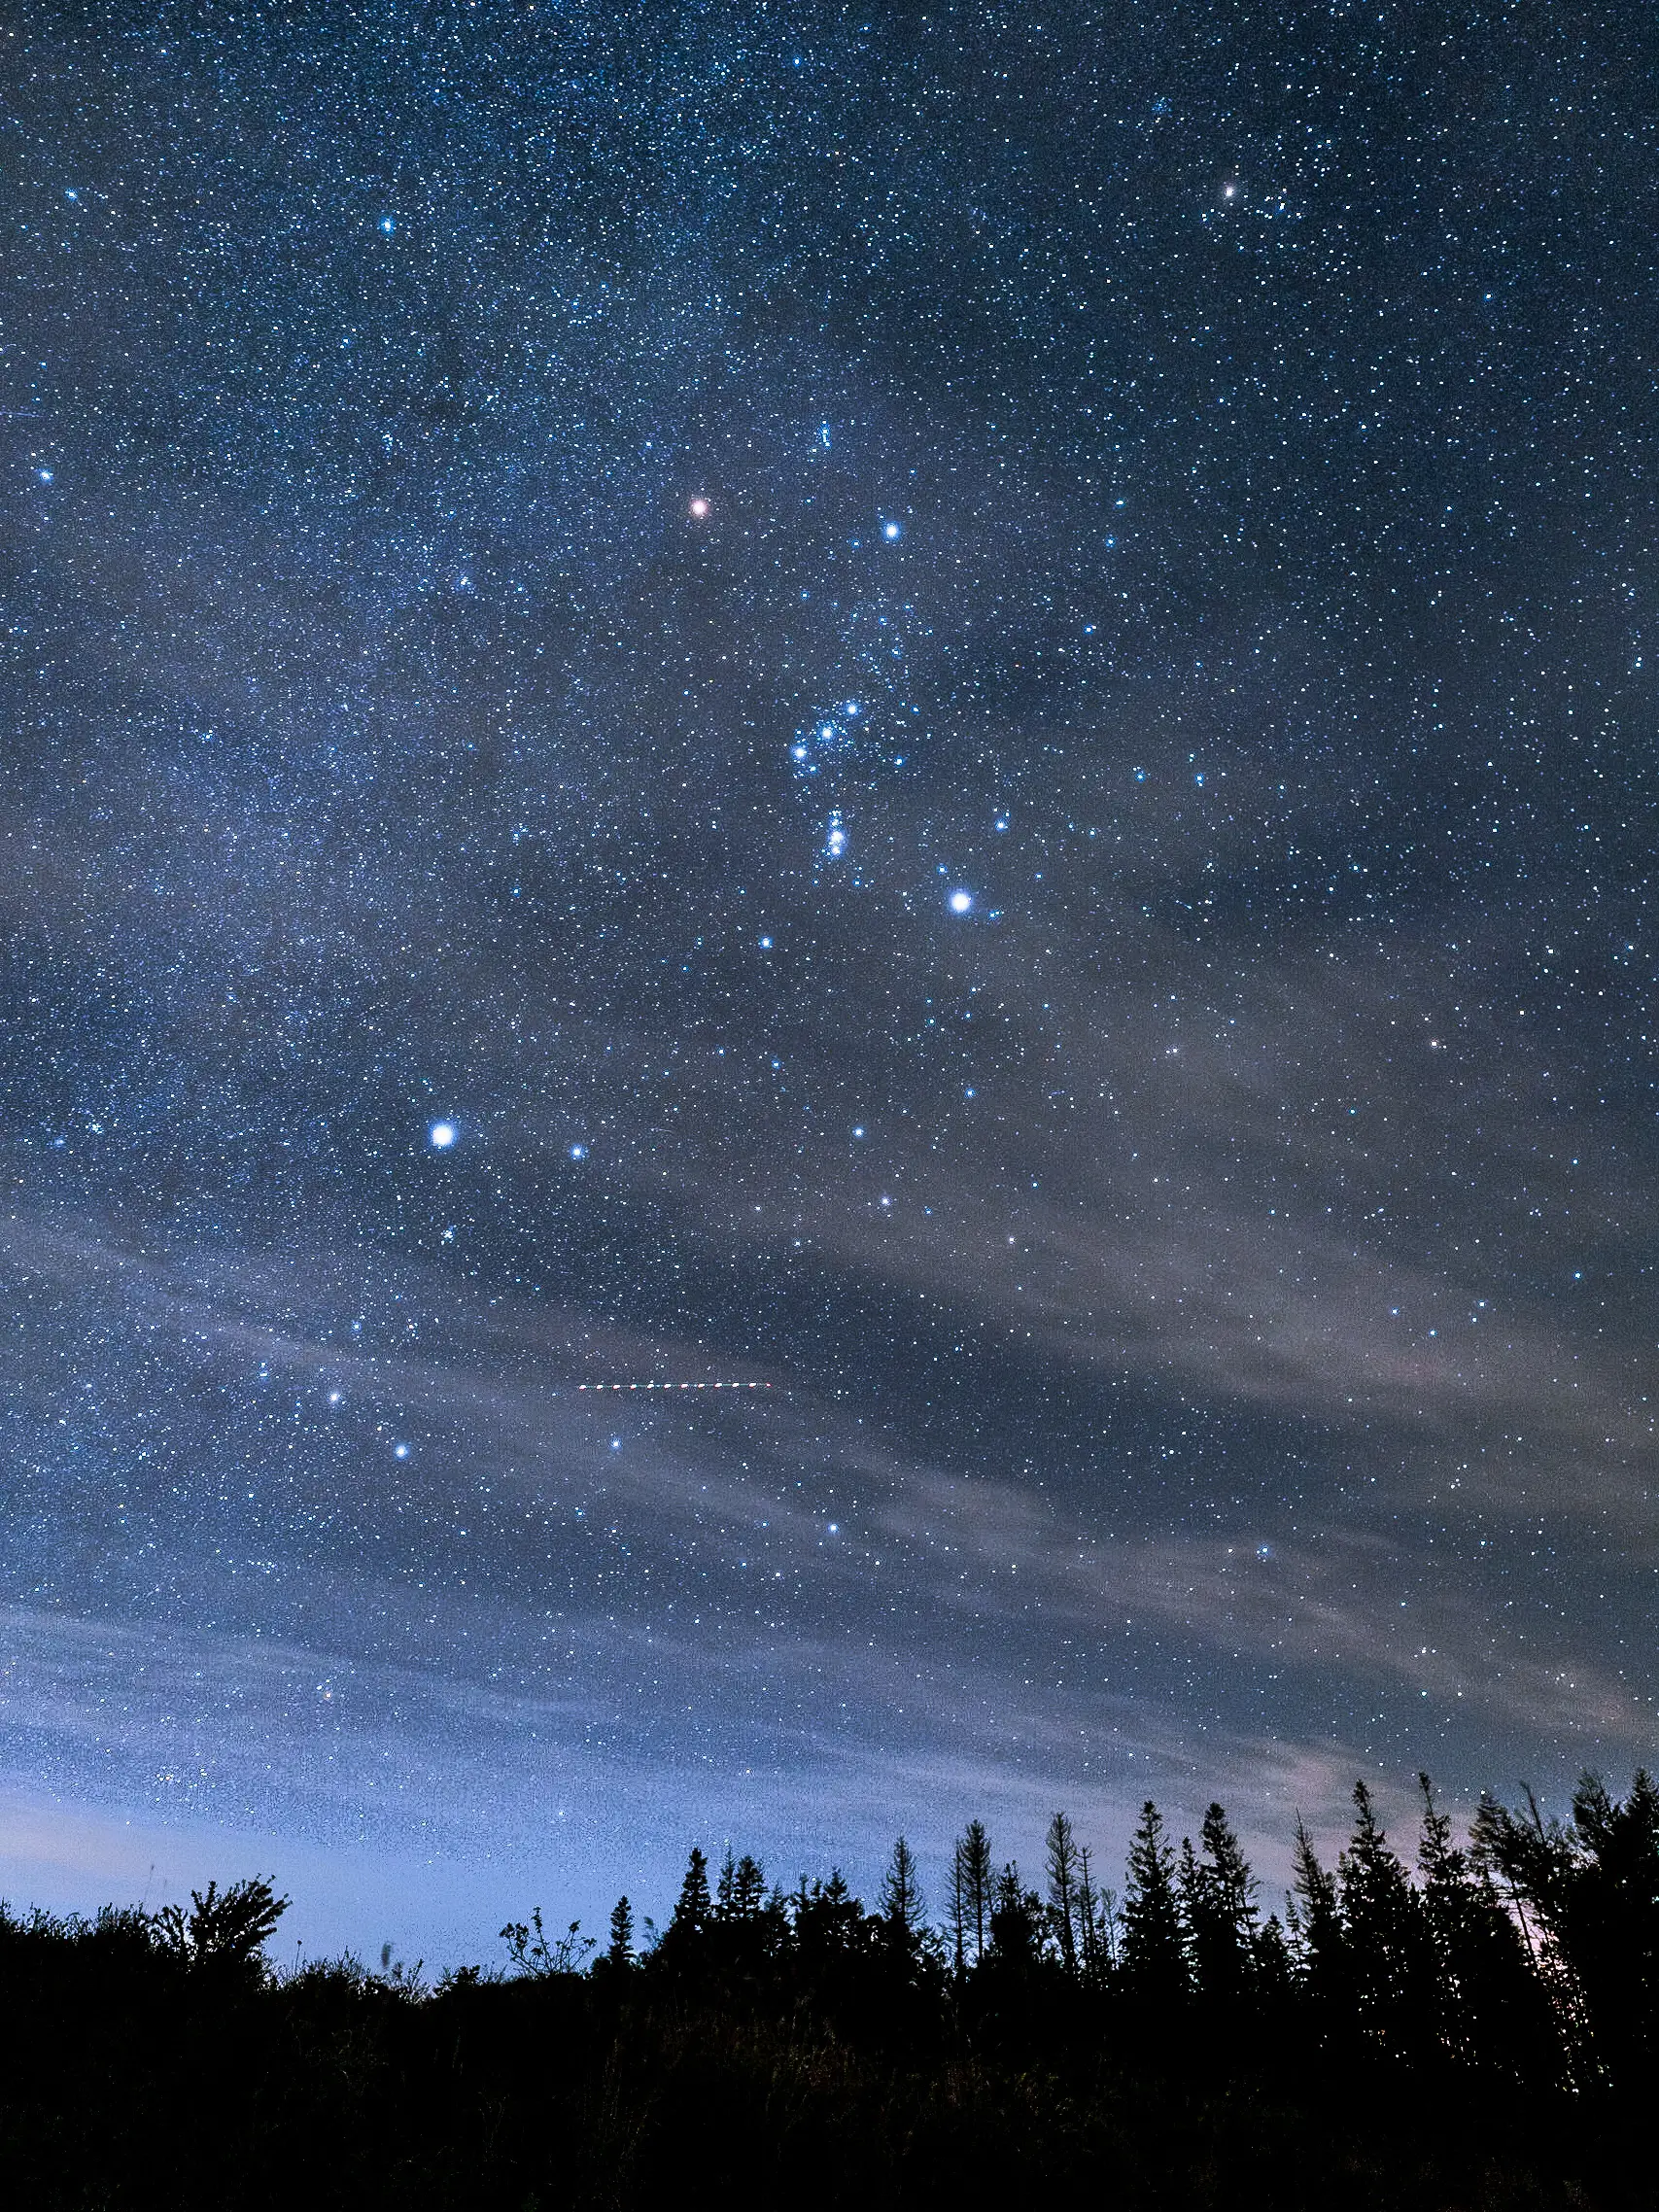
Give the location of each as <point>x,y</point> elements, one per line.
<point>698,508</point>
<point>578,1151</point>
<point>891,530</point>
<point>399,1451</point>
<point>388,223</point>
<point>441,1135</point>
<point>961,902</point>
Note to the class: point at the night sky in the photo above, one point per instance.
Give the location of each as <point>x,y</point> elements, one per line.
<point>947,710</point>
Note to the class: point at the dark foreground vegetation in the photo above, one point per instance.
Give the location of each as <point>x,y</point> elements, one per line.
<point>1479,2031</point>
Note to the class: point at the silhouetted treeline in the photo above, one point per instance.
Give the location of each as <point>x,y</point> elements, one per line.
<point>1472,2024</point>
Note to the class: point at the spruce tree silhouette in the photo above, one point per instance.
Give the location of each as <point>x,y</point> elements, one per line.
<point>1097,1922</point>
<point>1487,2008</point>
<point>1319,1944</point>
<point>684,1941</point>
<point>1154,1950</point>
<point>971,1883</point>
<point>1018,1923</point>
<point>1387,1956</point>
<point>904,1908</point>
<point>1218,1898</point>
<point>619,1951</point>
<point>1063,1865</point>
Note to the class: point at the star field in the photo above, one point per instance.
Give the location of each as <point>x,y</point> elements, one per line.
<point>948,709</point>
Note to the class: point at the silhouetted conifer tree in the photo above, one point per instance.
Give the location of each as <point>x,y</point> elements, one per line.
<point>1096,1922</point>
<point>1017,1921</point>
<point>1386,1953</point>
<point>1273,1977</point>
<point>1611,1922</point>
<point>1064,1868</point>
<point>826,1917</point>
<point>693,1913</point>
<point>1153,1947</point>
<point>970,1894</point>
<point>742,1894</point>
<point>620,1948</point>
<point>902,1905</point>
<point>1217,1893</point>
<point>1487,2006</point>
<point>1320,1943</point>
